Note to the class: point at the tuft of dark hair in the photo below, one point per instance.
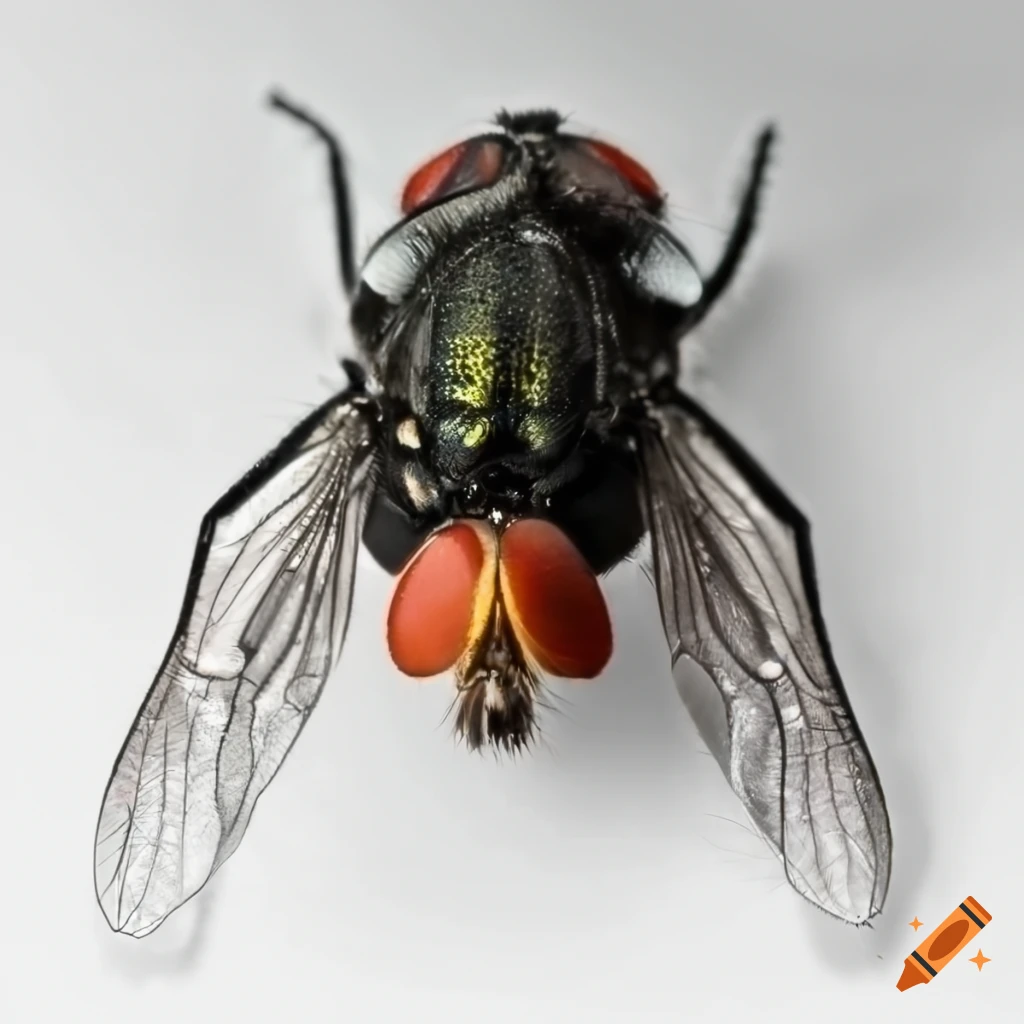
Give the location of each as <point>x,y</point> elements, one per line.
<point>540,122</point>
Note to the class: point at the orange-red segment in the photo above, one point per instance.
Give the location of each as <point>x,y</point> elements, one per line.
<point>467,165</point>
<point>638,177</point>
<point>432,608</point>
<point>554,601</point>
<point>424,183</point>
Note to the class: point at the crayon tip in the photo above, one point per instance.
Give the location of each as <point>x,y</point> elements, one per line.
<point>910,977</point>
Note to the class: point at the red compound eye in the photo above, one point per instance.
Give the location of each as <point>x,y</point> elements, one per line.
<point>638,177</point>
<point>554,601</point>
<point>432,610</point>
<point>425,182</point>
<point>471,164</point>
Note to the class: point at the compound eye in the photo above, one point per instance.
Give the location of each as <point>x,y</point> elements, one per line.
<point>442,599</point>
<point>554,601</point>
<point>475,163</point>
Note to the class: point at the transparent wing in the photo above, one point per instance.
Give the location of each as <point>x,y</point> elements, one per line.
<point>261,627</point>
<point>735,583</point>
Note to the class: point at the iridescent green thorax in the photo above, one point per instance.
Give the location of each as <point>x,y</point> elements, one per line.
<point>508,340</point>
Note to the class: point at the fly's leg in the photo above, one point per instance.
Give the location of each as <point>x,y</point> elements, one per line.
<point>743,226</point>
<point>339,186</point>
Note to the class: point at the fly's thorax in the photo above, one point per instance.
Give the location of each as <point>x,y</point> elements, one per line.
<point>511,363</point>
<point>495,369</point>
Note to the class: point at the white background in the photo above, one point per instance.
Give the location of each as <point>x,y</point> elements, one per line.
<point>167,309</point>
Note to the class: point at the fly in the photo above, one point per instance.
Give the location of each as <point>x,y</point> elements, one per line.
<point>511,430</point>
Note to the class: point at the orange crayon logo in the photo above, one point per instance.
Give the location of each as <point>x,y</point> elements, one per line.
<point>943,944</point>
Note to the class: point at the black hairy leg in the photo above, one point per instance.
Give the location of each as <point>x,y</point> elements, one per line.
<point>338,182</point>
<point>743,225</point>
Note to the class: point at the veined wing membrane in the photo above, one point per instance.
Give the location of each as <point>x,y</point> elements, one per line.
<point>735,583</point>
<point>261,627</point>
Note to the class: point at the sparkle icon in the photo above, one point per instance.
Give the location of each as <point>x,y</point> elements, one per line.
<point>980,959</point>
<point>915,924</point>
